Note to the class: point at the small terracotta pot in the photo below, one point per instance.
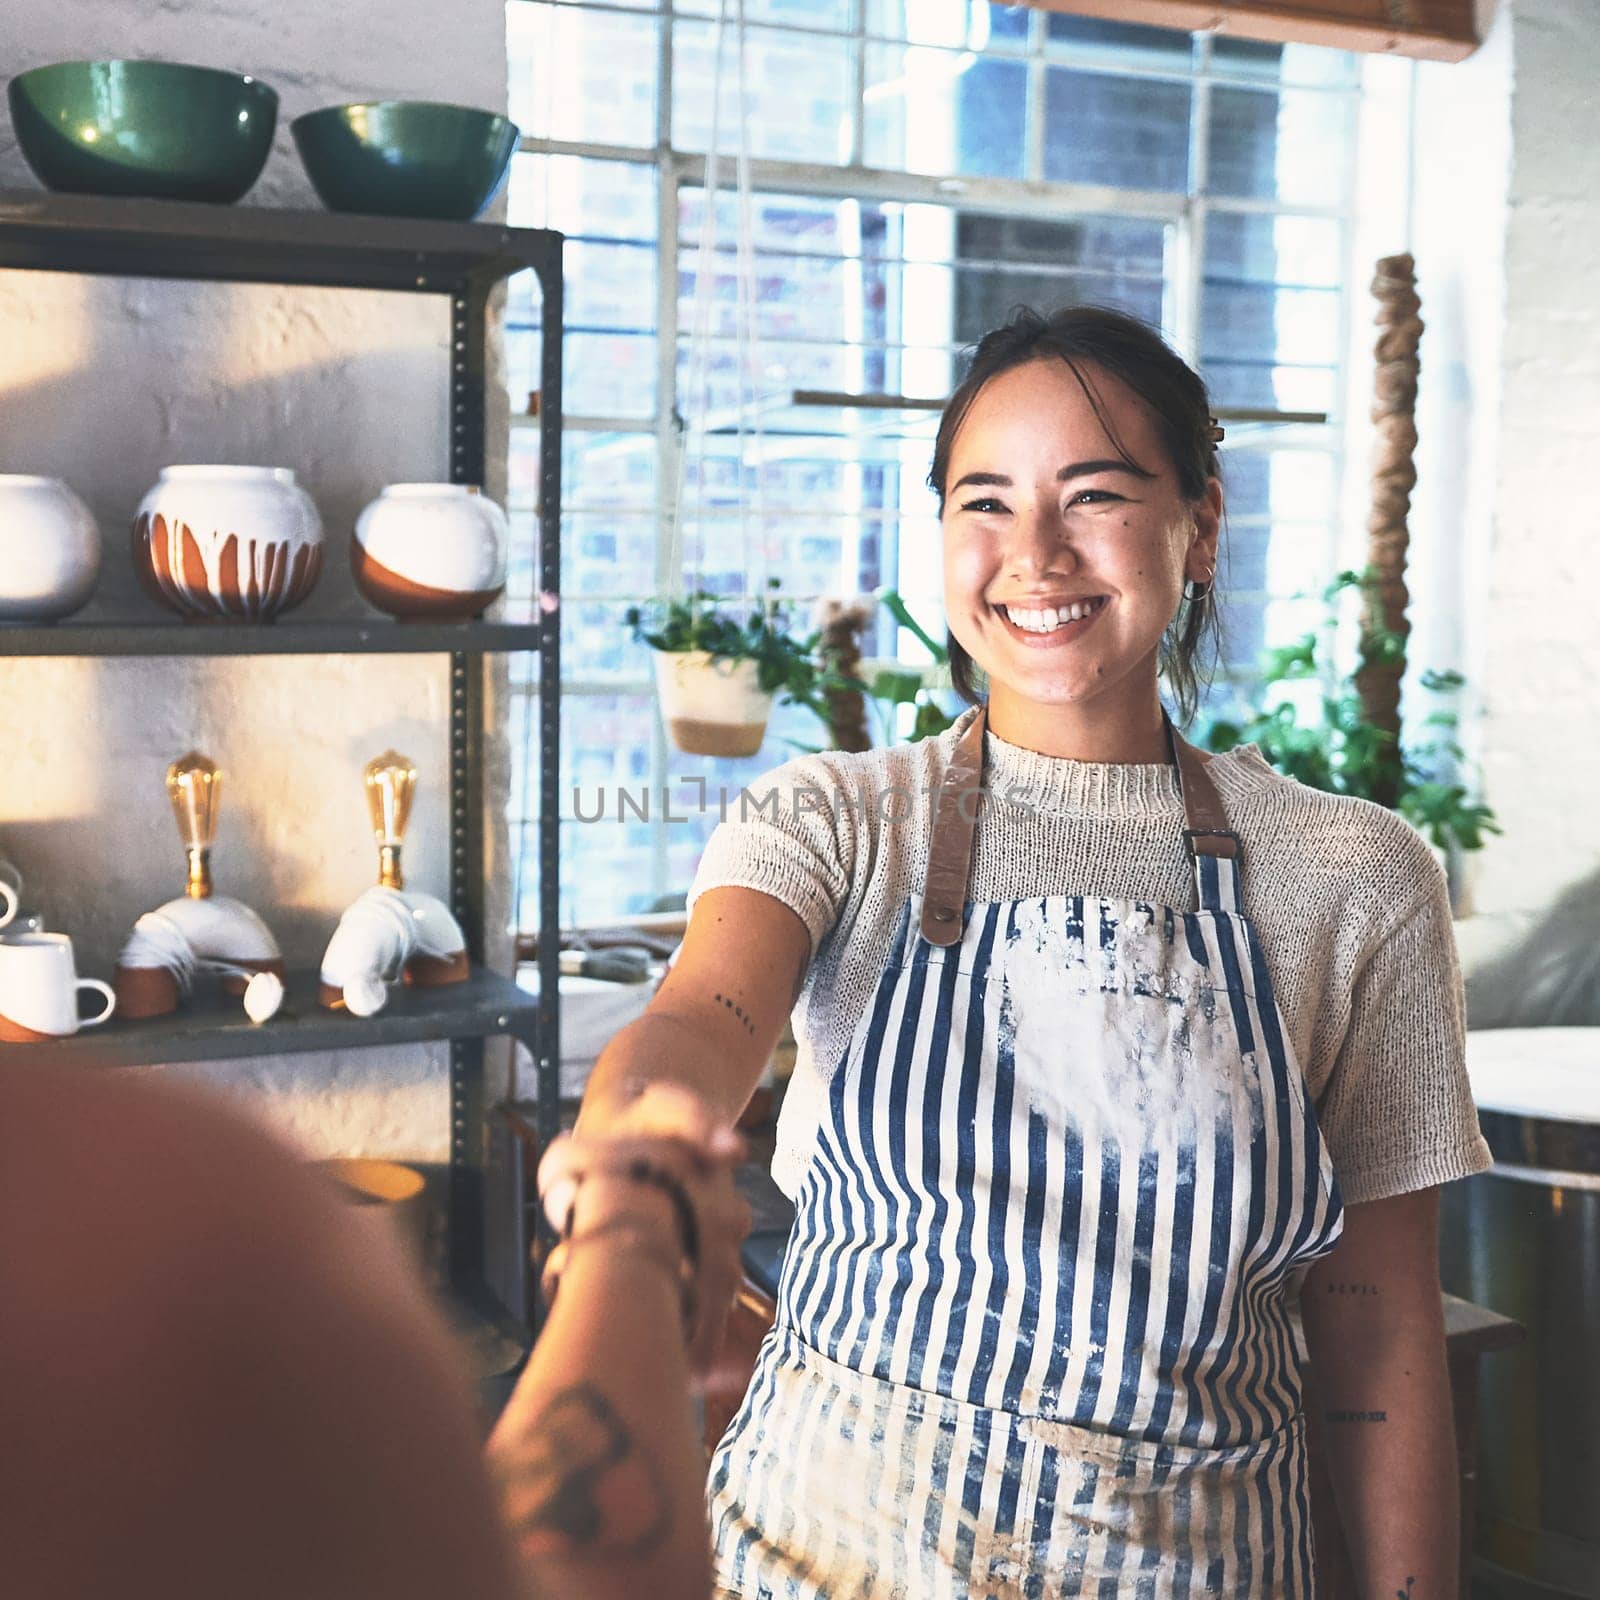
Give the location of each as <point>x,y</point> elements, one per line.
<point>430,552</point>
<point>711,707</point>
<point>388,1189</point>
<point>238,544</point>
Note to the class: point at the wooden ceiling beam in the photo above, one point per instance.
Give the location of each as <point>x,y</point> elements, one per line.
<point>1431,30</point>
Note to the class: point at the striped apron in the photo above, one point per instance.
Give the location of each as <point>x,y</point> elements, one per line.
<point>1033,1332</point>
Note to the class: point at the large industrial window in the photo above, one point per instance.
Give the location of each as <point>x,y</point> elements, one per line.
<point>917,167</point>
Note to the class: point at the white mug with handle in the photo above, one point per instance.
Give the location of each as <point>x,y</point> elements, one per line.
<point>10,891</point>
<point>39,987</point>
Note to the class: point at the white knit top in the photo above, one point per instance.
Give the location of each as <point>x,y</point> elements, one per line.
<point>1349,903</point>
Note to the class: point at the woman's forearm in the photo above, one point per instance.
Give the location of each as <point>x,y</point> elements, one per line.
<point>664,1047</point>
<point>600,1470</point>
<point>717,1015</point>
<point>1390,1441</point>
<point>1374,1326</point>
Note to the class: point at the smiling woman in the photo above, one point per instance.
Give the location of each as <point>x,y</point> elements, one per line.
<point>1091,1078</point>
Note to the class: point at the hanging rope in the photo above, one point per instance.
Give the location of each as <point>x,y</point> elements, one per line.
<point>697,395</point>
<point>753,575</point>
<point>552,618</point>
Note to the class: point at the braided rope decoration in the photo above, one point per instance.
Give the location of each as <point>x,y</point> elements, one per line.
<point>842,624</point>
<point>1394,476</point>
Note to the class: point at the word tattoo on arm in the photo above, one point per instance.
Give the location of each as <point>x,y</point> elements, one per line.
<point>739,1012</point>
<point>577,1483</point>
<point>1356,1416</point>
<point>1352,1288</point>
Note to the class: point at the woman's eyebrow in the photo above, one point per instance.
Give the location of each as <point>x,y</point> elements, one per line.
<point>1079,469</point>
<point>1082,469</point>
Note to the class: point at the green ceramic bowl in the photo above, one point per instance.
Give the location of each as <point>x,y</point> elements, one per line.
<point>406,158</point>
<point>152,129</point>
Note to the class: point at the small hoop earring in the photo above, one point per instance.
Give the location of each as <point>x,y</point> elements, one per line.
<point>1192,593</point>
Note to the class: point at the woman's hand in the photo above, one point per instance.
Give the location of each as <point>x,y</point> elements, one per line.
<point>662,1172</point>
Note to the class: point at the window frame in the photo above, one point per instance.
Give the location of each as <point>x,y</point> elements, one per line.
<point>1186,215</point>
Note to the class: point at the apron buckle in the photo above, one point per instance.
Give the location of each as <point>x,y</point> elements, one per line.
<point>1230,850</point>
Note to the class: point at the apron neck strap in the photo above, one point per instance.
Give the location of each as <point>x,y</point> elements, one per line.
<point>1213,845</point>
<point>944,891</point>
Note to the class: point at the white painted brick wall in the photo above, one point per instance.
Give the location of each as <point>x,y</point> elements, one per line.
<point>1541,645</point>
<point>104,382</point>
<point>1507,226</point>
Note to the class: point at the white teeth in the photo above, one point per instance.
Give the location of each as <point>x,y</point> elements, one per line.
<point>1051,618</point>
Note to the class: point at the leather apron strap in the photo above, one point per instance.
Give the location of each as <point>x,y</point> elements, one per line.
<point>1207,833</point>
<point>944,890</point>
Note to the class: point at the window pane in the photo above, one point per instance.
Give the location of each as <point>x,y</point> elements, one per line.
<point>1282,63</point>
<point>1292,147</point>
<point>1308,251</point>
<point>1131,133</point>
<point>1292,485</point>
<point>582,75</point>
<point>607,743</point>
<point>1240,319</point>
<point>608,288</point>
<point>603,374</point>
<point>799,91</point>
<point>1122,44</point>
<point>944,111</point>
<point>1267,385</point>
<point>831,16</point>
<point>584,198</point>
<point>973,26</point>
<point>605,472</point>
<point>1010,261</point>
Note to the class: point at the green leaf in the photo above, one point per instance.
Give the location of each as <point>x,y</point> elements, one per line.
<point>896,607</point>
<point>898,688</point>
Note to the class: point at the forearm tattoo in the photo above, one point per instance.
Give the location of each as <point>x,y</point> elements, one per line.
<point>576,1482</point>
<point>739,1012</point>
<point>1405,1593</point>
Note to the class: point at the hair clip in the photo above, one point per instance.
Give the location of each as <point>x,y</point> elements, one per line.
<point>1215,432</point>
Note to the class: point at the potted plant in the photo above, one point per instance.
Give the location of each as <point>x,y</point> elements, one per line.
<point>1344,753</point>
<point>718,672</point>
<point>892,687</point>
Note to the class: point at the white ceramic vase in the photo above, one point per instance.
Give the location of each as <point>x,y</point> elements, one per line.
<point>49,550</point>
<point>239,544</point>
<point>430,552</point>
<point>711,707</point>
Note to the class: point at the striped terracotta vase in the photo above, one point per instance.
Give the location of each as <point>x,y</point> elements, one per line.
<point>236,544</point>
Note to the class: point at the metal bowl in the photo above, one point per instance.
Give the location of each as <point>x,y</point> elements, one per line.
<point>153,130</point>
<point>406,158</point>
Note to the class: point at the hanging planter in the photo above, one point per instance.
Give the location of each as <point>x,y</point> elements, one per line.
<point>712,706</point>
<point>718,675</point>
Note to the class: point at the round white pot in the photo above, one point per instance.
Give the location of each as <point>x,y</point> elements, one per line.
<point>49,550</point>
<point>430,552</point>
<point>710,707</point>
<point>233,543</point>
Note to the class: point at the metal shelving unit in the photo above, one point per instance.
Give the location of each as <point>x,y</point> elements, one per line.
<point>338,638</point>
<point>146,238</point>
<point>213,1027</point>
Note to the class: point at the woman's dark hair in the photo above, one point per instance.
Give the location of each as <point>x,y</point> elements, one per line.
<point>1137,355</point>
